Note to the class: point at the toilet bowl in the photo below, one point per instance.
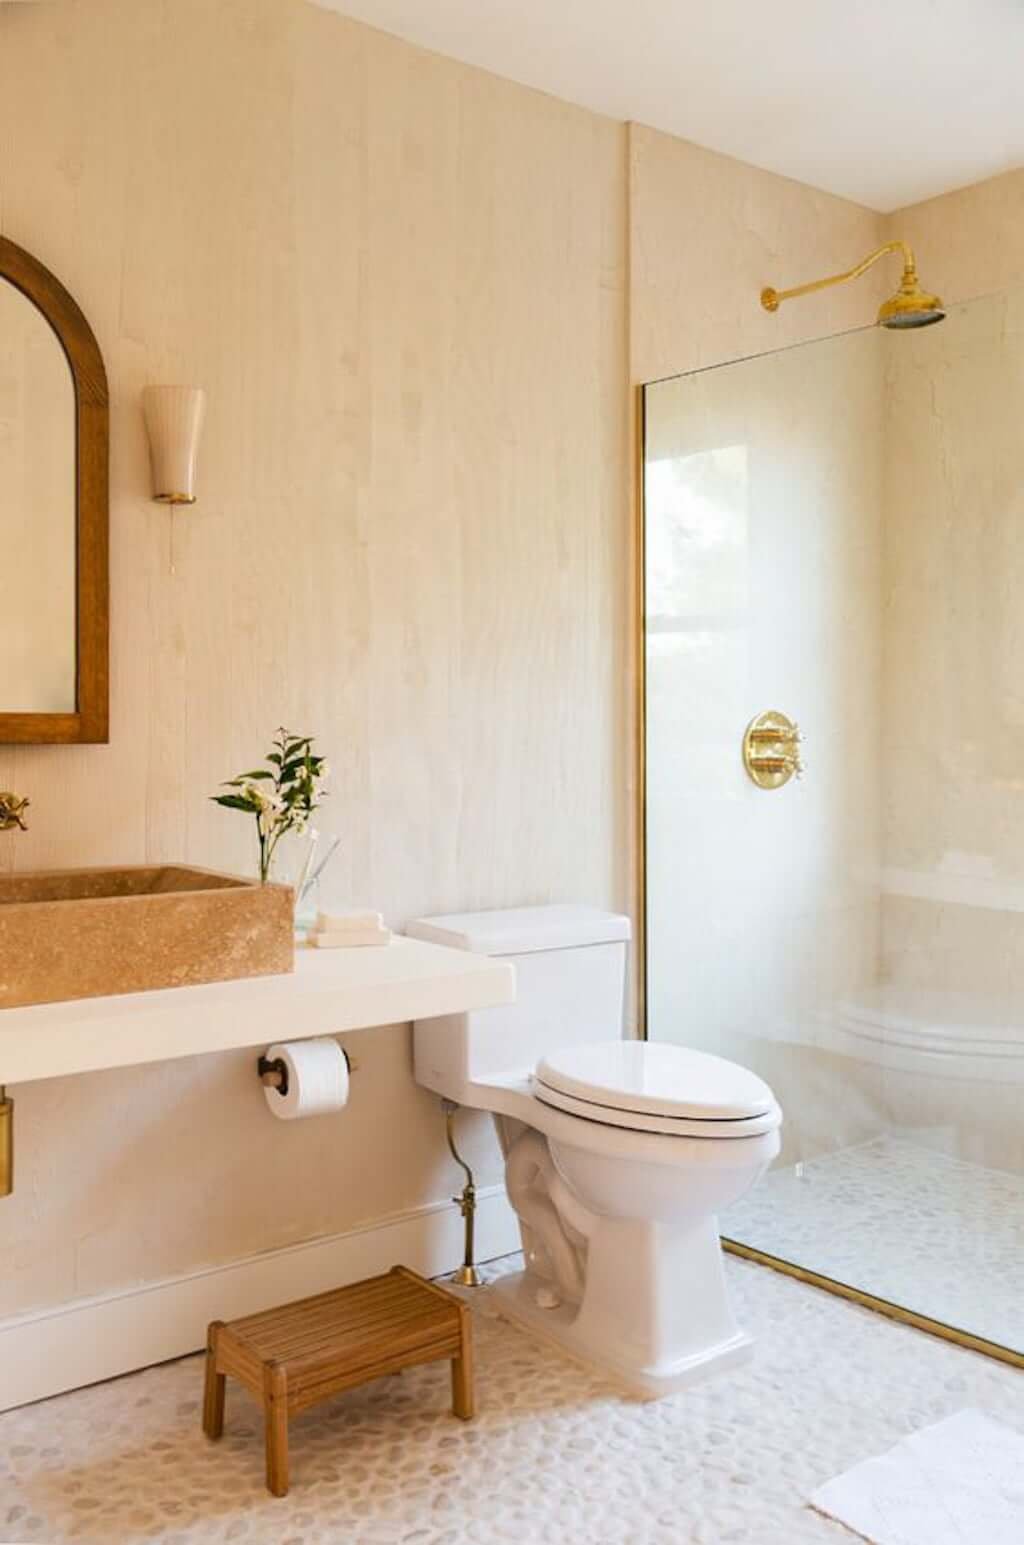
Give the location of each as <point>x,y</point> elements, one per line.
<point>619,1155</point>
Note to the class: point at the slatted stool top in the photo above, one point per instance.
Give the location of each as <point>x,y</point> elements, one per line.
<point>383,1319</point>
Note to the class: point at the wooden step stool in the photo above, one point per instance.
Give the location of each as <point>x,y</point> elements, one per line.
<point>302,1353</point>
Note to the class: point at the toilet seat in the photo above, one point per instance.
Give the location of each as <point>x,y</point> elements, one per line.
<point>652,1087</point>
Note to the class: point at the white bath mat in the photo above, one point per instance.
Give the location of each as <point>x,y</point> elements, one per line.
<point>960,1482</point>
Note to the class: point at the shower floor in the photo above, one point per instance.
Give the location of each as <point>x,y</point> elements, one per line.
<point>935,1234</point>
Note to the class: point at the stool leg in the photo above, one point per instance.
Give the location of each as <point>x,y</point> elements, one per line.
<point>275,1405</point>
<point>463,1401</point>
<point>213,1393</point>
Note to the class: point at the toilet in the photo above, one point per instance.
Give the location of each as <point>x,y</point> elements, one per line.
<point>619,1155</point>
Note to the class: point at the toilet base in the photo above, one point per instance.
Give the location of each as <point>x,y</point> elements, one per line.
<point>513,1297</point>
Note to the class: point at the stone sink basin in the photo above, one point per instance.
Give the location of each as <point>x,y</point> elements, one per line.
<point>88,933</point>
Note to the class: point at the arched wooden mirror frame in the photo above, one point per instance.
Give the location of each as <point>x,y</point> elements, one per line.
<point>90,721</point>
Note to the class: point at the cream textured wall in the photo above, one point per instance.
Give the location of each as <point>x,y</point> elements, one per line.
<point>970,242</point>
<point>707,233</point>
<point>953,720</point>
<point>401,282</point>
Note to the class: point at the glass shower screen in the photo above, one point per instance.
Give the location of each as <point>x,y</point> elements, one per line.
<point>834,538</point>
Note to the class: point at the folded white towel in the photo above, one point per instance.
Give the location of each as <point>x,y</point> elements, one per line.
<point>339,922</point>
<point>350,938</point>
<point>959,1482</point>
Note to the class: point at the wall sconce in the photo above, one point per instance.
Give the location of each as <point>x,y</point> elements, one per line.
<point>174,422</point>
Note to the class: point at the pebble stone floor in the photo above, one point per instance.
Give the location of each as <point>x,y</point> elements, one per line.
<point>556,1456</point>
<point>938,1234</point>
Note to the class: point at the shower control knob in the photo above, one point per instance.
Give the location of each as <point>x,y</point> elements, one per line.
<point>771,750</point>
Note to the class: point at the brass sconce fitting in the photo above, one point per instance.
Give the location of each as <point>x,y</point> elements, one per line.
<point>6,1143</point>
<point>771,750</point>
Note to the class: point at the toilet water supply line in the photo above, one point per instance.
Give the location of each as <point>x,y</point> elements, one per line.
<point>467,1274</point>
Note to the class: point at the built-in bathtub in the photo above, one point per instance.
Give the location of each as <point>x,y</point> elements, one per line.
<point>947,1067</point>
<point>955,1035</point>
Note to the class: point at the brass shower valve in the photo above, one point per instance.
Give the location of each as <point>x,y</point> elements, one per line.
<point>771,750</point>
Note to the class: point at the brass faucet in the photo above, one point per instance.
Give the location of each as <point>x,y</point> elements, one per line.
<point>12,812</point>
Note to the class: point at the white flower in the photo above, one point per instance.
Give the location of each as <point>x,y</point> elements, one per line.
<point>264,799</point>
<point>268,805</point>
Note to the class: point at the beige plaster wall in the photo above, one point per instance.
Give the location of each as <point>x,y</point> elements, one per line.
<point>406,286</point>
<point>707,233</point>
<point>953,721</point>
<point>402,284</point>
<point>970,242</point>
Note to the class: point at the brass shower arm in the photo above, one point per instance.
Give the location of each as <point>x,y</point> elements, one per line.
<point>772,299</point>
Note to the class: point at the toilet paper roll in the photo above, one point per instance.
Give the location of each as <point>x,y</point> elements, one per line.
<point>317,1079</point>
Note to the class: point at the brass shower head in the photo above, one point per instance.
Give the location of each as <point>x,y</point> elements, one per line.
<point>909,307</point>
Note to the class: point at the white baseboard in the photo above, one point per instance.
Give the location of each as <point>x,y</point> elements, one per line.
<point>53,1350</point>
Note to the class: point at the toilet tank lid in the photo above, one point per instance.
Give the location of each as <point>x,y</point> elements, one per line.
<point>522,930</point>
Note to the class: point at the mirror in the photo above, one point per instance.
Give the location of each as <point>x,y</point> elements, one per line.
<point>53,512</point>
<point>37,497</point>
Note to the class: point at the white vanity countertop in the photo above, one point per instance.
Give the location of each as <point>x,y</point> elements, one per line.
<point>329,992</point>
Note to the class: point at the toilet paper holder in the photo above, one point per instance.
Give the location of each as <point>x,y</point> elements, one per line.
<point>273,1071</point>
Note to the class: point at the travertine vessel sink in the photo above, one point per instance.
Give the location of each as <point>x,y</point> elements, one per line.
<point>87,933</point>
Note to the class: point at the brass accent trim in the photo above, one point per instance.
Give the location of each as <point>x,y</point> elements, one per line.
<point>771,750</point>
<point>961,1338</point>
<point>640,765</point>
<point>467,1274</point>
<point>6,1143</point>
<point>909,306</point>
<point>12,812</point>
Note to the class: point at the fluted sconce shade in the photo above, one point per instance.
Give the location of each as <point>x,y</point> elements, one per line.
<point>174,422</point>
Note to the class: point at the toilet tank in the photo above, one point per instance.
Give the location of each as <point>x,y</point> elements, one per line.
<point>570,965</point>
